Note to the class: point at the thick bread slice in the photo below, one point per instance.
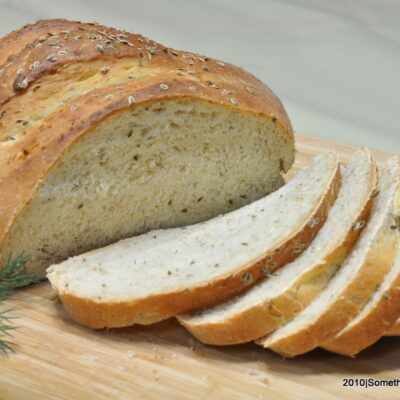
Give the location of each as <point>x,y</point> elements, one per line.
<point>354,283</point>
<point>273,302</point>
<point>106,134</point>
<point>394,330</point>
<point>371,323</point>
<point>147,279</point>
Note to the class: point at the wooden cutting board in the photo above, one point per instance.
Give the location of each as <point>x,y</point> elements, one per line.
<point>58,359</point>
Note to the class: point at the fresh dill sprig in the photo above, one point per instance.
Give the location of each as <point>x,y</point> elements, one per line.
<point>12,276</point>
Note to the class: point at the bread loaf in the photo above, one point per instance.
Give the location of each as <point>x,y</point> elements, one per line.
<point>106,134</point>
<point>276,300</point>
<point>165,273</point>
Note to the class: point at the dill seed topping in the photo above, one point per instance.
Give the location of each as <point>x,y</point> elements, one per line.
<point>221,64</point>
<point>244,244</point>
<point>109,96</point>
<point>131,100</point>
<point>1,71</point>
<point>313,222</point>
<point>74,107</point>
<point>23,84</point>
<point>396,224</point>
<point>246,278</point>
<point>104,70</point>
<point>227,91</point>
<point>215,86</point>
<point>188,56</point>
<point>119,87</point>
<point>100,48</point>
<point>358,225</point>
<point>375,193</point>
<point>64,52</point>
<point>298,248</point>
<point>206,69</point>
<point>163,86</point>
<point>51,58</point>
<point>191,72</point>
<point>20,71</point>
<point>192,88</point>
<point>250,90</point>
<point>233,101</point>
<point>386,296</point>
<point>95,95</point>
<point>78,37</point>
<point>42,39</point>
<point>265,271</point>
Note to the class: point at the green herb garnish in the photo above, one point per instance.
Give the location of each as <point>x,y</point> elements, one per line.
<point>12,276</point>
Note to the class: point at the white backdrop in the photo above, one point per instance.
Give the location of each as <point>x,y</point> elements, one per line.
<point>335,64</point>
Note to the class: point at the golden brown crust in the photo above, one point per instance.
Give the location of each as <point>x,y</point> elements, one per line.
<point>372,327</point>
<point>82,43</point>
<point>155,308</point>
<point>15,41</point>
<point>394,329</point>
<point>339,315</point>
<point>261,319</point>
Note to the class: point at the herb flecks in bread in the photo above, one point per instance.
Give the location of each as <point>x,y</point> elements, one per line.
<point>274,301</point>
<point>165,273</point>
<point>358,278</point>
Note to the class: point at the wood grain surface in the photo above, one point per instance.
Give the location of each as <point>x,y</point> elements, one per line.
<point>58,359</point>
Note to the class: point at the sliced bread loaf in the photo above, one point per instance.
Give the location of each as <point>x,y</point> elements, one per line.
<point>371,323</point>
<point>276,300</point>
<point>355,282</point>
<point>147,279</point>
<point>106,134</point>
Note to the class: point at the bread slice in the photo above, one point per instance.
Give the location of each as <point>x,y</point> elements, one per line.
<point>276,300</point>
<point>371,323</point>
<point>106,134</point>
<point>148,278</point>
<point>354,283</point>
<point>394,330</point>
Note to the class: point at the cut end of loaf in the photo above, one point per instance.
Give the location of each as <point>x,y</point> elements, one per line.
<point>160,165</point>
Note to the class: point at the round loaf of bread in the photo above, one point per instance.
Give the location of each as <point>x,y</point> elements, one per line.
<point>106,134</point>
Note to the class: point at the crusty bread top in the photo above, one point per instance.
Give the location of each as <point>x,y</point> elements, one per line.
<point>50,51</point>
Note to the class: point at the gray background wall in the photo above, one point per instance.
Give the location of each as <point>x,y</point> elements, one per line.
<point>335,64</point>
